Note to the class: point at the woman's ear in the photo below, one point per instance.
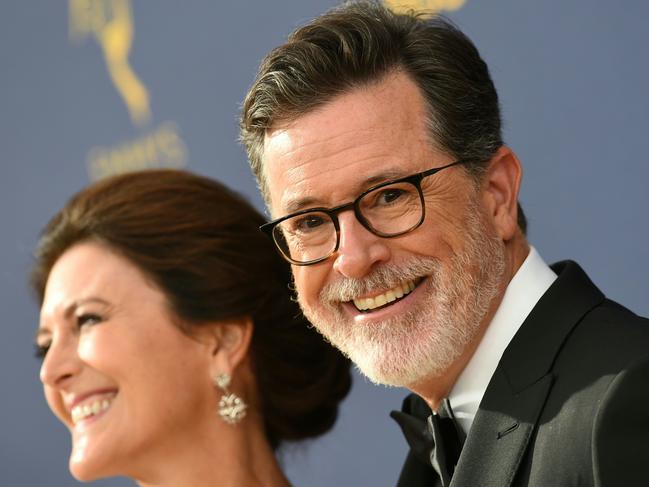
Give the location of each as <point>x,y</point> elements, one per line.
<point>229,343</point>
<point>500,191</point>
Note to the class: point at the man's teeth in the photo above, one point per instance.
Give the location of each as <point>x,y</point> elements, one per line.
<point>79,413</point>
<point>364,304</point>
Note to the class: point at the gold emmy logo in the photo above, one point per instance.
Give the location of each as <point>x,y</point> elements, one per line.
<point>110,22</point>
<point>433,6</point>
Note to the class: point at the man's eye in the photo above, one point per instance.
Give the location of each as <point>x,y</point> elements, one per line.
<point>389,195</point>
<point>40,350</point>
<point>88,319</point>
<point>308,223</point>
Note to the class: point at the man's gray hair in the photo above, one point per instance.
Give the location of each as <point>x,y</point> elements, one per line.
<point>360,43</point>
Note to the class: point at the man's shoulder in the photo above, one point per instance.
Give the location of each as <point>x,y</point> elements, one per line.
<point>605,356</point>
<point>608,334</point>
<point>607,341</point>
<point>613,317</point>
<point>607,329</point>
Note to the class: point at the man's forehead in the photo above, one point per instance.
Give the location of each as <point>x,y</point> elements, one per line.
<point>336,151</point>
<point>301,196</point>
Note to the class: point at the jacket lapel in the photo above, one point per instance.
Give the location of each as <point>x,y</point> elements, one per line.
<point>513,401</point>
<point>500,433</point>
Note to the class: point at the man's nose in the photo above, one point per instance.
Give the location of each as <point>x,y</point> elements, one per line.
<point>61,363</point>
<point>359,249</point>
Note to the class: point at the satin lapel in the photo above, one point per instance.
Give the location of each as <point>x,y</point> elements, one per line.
<point>516,394</point>
<point>500,433</point>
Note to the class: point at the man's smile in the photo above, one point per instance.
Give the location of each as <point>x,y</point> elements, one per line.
<point>386,298</point>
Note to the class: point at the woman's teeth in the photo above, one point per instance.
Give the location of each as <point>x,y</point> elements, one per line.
<point>93,408</point>
<point>365,304</point>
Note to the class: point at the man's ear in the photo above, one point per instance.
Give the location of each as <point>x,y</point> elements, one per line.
<point>500,188</point>
<point>229,342</point>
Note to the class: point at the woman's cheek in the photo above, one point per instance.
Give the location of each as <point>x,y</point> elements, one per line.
<point>55,402</point>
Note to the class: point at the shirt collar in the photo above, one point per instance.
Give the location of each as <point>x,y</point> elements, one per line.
<point>530,282</point>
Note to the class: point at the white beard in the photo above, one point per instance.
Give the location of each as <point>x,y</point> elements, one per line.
<point>424,341</point>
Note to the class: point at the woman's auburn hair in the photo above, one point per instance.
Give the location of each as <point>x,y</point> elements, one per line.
<point>200,244</point>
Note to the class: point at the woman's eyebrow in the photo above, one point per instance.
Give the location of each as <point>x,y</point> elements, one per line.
<point>69,310</point>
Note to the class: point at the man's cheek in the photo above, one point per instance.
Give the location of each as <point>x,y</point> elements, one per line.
<point>305,285</point>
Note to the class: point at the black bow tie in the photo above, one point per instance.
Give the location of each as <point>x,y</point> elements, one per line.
<point>434,438</point>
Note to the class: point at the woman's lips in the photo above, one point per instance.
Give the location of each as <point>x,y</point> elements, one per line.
<point>91,405</point>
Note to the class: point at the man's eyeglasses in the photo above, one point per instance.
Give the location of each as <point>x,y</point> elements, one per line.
<point>388,210</point>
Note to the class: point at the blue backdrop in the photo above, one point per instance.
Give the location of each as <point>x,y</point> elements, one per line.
<point>93,87</point>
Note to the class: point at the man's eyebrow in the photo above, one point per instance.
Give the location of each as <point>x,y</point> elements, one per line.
<point>311,202</point>
<point>383,177</point>
<point>301,203</point>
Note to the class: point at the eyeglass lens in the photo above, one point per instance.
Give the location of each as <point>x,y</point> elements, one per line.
<point>387,211</point>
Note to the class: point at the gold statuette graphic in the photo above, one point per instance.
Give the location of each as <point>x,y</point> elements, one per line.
<point>110,22</point>
<point>432,6</point>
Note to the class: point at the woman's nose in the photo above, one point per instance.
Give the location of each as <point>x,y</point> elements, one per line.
<point>61,363</point>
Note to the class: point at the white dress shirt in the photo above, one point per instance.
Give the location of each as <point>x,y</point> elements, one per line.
<point>530,282</point>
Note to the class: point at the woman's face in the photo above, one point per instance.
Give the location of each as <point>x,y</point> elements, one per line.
<point>117,371</point>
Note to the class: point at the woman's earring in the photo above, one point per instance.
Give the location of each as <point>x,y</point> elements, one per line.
<point>231,407</point>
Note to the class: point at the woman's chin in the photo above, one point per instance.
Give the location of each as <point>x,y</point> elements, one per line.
<point>84,468</point>
<point>83,473</point>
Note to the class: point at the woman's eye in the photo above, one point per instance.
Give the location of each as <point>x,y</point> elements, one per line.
<point>40,350</point>
<point>88,319</point>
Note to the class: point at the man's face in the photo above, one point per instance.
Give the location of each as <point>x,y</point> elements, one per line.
<point>425,293</point>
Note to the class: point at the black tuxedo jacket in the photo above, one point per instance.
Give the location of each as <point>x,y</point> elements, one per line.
<point>568,404</point>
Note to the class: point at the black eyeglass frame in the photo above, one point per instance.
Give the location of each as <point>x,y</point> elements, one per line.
<point>414,179</point>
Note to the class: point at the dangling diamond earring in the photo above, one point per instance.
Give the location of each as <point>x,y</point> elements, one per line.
<point>231,407</point>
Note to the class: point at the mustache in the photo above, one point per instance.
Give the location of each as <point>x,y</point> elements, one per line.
<point>380,279</point>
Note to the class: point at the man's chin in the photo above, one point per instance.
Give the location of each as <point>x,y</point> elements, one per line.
<point>387,374</point>
<point>393,352</point>
<point>383,363</point>
<point>377,375</point>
